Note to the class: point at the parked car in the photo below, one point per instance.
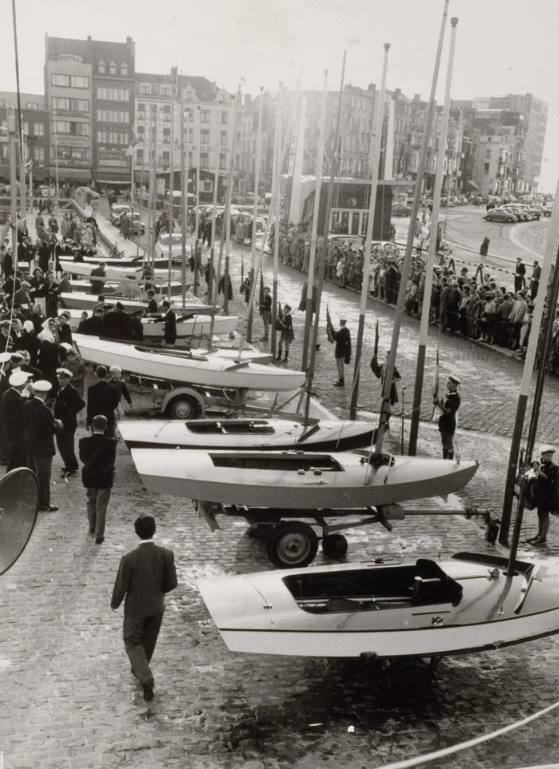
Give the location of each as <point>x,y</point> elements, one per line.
<point>500,215</point>
<point>46,192</point>
<point>401,210</point>
<point>116,212</point>
<point>175,242</point>
<point>137,226</point>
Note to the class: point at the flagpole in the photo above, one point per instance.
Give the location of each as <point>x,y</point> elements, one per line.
<point>184,203</point>
<point>277,176</point>
<point>326,230</point>
<point>374,161</point>
<point>314,231</point>
<point>171,200</point>
<point>391,362</point>
<point>428,288</point>
<point>197,209</point>
<point>255,211</point>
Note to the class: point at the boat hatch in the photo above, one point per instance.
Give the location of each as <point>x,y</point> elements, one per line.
<point>424,583</point>
<point>232,427</point>
<point>287,462</point>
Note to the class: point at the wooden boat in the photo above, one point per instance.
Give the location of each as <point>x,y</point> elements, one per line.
<point>428,608</point>
<point>111,261</point>
<point>287,433</point>
<point>187,324</point>
<point>130,288</point>
<point>220,368</point>
<point>80,300</point>
<point>118,273</point>
<point>298,479</point>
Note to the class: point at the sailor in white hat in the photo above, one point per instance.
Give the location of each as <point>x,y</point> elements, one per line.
<point>39,429</point>
<point>11,408</point>
<point>449,405</point>
<point>67,406</point>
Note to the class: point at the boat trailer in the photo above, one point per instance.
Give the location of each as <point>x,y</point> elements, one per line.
<point>291,542</point>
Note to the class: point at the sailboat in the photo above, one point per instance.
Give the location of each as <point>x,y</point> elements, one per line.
<point>422,608</point>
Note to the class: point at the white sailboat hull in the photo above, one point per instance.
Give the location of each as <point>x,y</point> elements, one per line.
<point>80,300</point>
<point>126,261</point>
<point>197,325</point>
<point>257,613</point>
<point>220,369</point>
<point>296,480</point>
<point>328,435</point>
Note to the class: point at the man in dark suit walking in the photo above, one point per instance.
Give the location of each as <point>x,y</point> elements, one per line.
<point>11,420</point>
<point>67,406</point>
<point>144,576</point>
<point>342,352</point>
<point>98,453</point>
<point>102,398</point>
<point>39,428</point>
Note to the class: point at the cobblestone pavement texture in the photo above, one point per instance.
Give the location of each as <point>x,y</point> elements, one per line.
<point>67,698</point>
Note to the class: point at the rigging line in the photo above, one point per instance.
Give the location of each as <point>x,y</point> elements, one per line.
<point>443,752</point>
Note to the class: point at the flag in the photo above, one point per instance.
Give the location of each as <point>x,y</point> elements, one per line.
<point>375,349</point>
<point>436,377</point>
<point>329,326</point>
<point>261,292</point>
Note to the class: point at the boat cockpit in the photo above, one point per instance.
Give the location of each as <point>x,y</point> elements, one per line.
<point>230,427</point>
<point>295,462</point>
<point>371,589</point>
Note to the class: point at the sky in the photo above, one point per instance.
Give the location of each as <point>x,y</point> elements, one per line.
<point>502,46</point>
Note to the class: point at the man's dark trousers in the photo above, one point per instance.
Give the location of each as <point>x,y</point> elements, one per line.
<point>140,636</point>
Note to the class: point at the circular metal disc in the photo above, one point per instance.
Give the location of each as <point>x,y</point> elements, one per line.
<point>18,512</point>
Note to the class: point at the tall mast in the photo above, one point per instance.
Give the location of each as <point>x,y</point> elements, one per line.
<point>184,202</point>
<point>255,211</point>
<point>428,289</point>
<point>374,161</point>
<point>171,200</point>
<point>390,363</point>
<point>551,248</point>
<point>315,215</point>
<point>320,277</point>
<point>198,129</point>
<point>278,164</point>
<point>13,181</point>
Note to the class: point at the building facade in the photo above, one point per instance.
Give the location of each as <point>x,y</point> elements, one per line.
<point>35,128</point>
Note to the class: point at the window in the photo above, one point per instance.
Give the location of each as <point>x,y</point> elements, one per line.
<point>38,129</point>
<point>165,90</point>
<point>486,167</point>
<point>140,130</point>
<point>165,156</point>
<point>204,136</point>
<point>60,80</point>
<point>26,128</point>
<point>63,104</point>
<point>223,138</point>
<point>224,118</point>
<point>204,160</point>
<point>139,156</point>
<point>112,68</point>
<point>72,153</point>
<point>112,137</point>
<point>112,116</point>
<point>166,136</point>
<point>77,81</point>
<point>39,154</point>
<point>70,128</point>
<point>205,115</point>
<point>222,161</point>
<point>145,89</point>
<point>4,151</point>
<point>113,94</point>
<point>101,68</point>
<point>31,105</point>
<point>124,69</point>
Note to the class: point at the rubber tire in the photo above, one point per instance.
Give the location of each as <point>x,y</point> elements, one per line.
<point>334,546</point>
<point>292,544</point>
<point>183,407</point>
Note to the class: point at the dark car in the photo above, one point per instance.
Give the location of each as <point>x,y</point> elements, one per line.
<point>498,215</point>
<point>401,210</point>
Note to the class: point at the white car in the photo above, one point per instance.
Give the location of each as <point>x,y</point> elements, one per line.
<point>175,242</point>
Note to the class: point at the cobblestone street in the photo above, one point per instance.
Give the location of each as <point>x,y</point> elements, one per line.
<point>68,700</point>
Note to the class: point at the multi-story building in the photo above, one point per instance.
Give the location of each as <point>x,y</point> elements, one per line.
<point>35,127</point>
<point>90,97</point>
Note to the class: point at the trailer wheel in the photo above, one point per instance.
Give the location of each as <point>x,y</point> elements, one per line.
<point>334,546</point>
<point>183,407</point>
<point>292,544</point>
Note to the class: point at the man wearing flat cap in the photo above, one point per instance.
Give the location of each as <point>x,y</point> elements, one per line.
<point>67,406</point>
<point>39,429</point>
<point>449,405</point>
<point>545,493</point>
<point>11,420</point>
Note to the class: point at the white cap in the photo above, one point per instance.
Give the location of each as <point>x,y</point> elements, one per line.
<point>64,372</point>
<point>19,378</point>
<point>5,357</point>
<point>547,450</point>
<point>42,386</point>
<point>67,346</point>
<point>454,379</point>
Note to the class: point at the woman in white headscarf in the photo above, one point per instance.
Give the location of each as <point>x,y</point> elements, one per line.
<point>49,352</point>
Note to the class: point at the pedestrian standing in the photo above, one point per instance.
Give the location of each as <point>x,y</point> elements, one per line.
<point>169,323</point>
<point>39,429</point>
<point>144,576</point>
<point>116,380</point>
<point>545,493</point>
<point>102,398</point>
<point>342,351</point>
<point>67,406</point>
<point>285,323</point>
<point>98,454</point>
<point>535,279</point>
<point>266,312</point>
<point>519,275</point>
<point>11,420</point>
<point>449,405</point>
